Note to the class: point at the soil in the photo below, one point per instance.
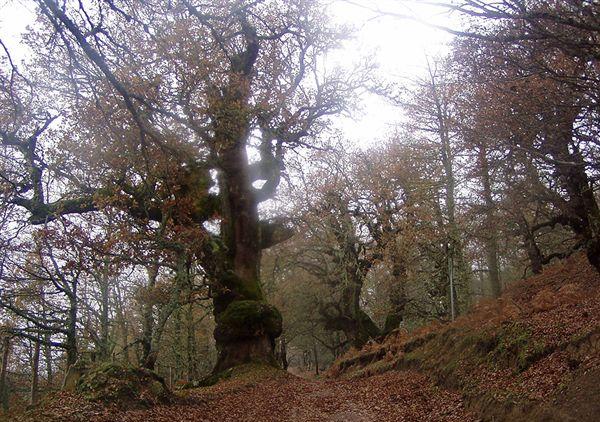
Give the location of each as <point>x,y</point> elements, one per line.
<point>394,396</point>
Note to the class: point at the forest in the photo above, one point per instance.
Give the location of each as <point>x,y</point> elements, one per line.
<point>182,205</point>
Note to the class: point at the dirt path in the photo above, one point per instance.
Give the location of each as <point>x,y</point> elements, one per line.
<point>393,396</point>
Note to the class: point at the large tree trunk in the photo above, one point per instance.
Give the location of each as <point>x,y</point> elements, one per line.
<point>246,326</point>
<point>398,298</point>
<point>348,317</point>
<point>581,207</point>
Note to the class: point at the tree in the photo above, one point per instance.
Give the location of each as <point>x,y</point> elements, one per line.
<point>544,57</point>
<point>41,289</point>
<point>332,247</point>
<point>162,103</point>
<point>547,119</point>
<point>431,105</point>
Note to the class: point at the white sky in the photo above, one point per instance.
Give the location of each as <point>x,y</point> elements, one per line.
<point>399,46</point>
<point>14,17</point>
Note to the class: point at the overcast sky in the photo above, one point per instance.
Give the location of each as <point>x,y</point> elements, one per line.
<point>399,46</point>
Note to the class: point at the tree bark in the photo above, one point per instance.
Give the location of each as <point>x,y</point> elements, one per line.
<point>534,254</point>
<point>246,326</point>
<point>192,346</point>
<point>148,359</point>
<point>398,299</point>
<point>71,335</point>
<point>454,253</point>
<point>316,356</point>
<point>491,238</point>
<point>347,315</point>
<point>104,351</point>
<point>581,205</point>
<point>35,363</point>
<point>3,373</point>
<point>47,347</point>
<point>282,353</point>
<point>48,360</point>
<point>122,324</point>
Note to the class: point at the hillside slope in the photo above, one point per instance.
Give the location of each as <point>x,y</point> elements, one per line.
<point>534,354</point>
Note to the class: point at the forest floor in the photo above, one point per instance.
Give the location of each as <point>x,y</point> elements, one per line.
<point>532,355</point>
<point>264,395</point>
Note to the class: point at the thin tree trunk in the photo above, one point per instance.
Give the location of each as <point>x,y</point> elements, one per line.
<point>122,324</point>
<point>533,251</point>
<point>104,315</point>
<point>192,365</point>
<point>166,310</point>
<point>179,344</point>
<point>491,238</point>
<point>47,346</point>
<point>282,353</point>
<point>316,356</point>
<point>71,334</point>
<point>48,359</point>
<point>453,249</point>
<point>3,373</point>
<point>35,363</point>
<point>148,358</point>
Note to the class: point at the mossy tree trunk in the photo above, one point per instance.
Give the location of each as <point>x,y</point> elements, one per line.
<point>191,344</point>
<point>351,264</point>
<point>246,325</point>
<point>348,317</point>
<point>104,286</point>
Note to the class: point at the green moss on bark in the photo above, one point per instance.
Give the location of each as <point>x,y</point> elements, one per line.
<point>249,290</point>
<point>247,319</point>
